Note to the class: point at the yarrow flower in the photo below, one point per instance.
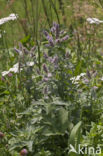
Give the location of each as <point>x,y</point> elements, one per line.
<point>94,21</point>
<point>9,18</point>
<point>16,68</point>
<point>77,78</point>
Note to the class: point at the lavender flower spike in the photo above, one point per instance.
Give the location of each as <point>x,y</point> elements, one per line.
<point>51,42</point>
<point>46,33</point>
<point>45,55</point>
<point>65,38</point>
<point>18,51</point>
<point>57,31</point>
<point>53,29</point>
<point>67,54</point>
<point>55,60</point>
<point>45,68</point>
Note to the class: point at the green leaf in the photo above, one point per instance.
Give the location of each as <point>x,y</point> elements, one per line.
<point>75,133</point>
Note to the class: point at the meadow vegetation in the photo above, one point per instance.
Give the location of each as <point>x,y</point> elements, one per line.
<point>51,77</point>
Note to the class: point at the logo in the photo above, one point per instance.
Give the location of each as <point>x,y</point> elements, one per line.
<point>85,149</point>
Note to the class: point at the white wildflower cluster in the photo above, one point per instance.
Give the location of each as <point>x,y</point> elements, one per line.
<point>94,21</point>
<point>16,69</point>
<point>9,18</point>
<point>77,78</point>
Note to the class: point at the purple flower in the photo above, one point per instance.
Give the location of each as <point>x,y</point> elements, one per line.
<point>88,74</point>
<point>57,41</point>
<point>33,49</point>
<point>62,32</point>
<point>17,50</point>
<point>45,68</point>
<point>55,60</point>
<point>54,24</point>
<point>53,29</point>
<point>20,46</point>
<point>51,42</point>
<point>49,75</point>
<point>45,90</point>
<point>2,78</point>
<point>10,74</point>
<point>95,87</point>
<point>45,55</point>
<point>50,59</point>
<point>65,38</point>
<point>47,45</point>
<point>26,51</point>
<point>45,79</point>
<point>67,54</point>
<point>46,33</point>
<point>57,30</point>
<point>86,81</point>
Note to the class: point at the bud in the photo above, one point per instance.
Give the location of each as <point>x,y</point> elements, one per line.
<point>45,55</point>
<point>45,90</point>
<point>53,29</point>
<point>51,42</point>
<point>45,79</point>
<point>2,78</point>
<point>10,74</point>
<point>33,49</point>
<point>67,54</point>
<point>26,51</point>
<point>62,32</point>
<point>57,41</point>
<point>65,38</point>
<point>95,87</point>
<point>88,74</point>
<point>57,30</point>
<point>49,75</point>
<point>45,68</point>
<point>18,51</point>
<point>50,59</point>
<point>55,60</point>
<point>24,152</point>
<point>20,46</point>
<point>38,71</point>
<point>46,33</point>
<point>1,135</point>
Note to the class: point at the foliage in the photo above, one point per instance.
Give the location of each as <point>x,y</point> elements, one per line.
<point>51,86</point>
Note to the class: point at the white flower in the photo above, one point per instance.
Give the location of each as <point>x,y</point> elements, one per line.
<point>9,18</point>
<point>82,74</point>
<point>5,73</point>
<point>77,78</point>
<point>94,21</point>
<point>101,78</point>
<point>30,63</point>
<point>15,68</point>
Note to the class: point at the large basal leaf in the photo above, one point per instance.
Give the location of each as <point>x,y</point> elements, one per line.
<point>75,134</point>
<point>63,118</point>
